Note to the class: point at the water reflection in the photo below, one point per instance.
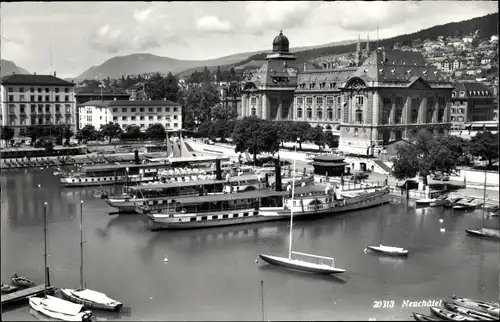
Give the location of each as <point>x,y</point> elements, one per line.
<point>273,270</point>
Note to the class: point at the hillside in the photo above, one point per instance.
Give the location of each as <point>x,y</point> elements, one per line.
<point>147,63</point>
<point>487,24</point>
<point>8,67</point>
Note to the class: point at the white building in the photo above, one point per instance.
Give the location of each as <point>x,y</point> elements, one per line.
<point>28,99</point>
<point>123,112</point>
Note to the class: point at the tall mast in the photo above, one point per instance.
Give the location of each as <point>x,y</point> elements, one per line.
<point>291,208</point>
<point>484,199</point>
<point>381,221</point>
<point>81,245</point>
<point>46,268</point>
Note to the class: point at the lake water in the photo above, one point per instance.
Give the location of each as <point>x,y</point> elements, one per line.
<point>211,274</point>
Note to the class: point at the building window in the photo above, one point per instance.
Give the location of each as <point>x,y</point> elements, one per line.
<point>159,118</point>
<point>167,109</point>
<point>339,100</point>
<point>47,90</point>
<point>175,109</point>
<point>68,109</point>
<point>453,94</point>
<point>141,118</point>
<point>309,100</point>
<point>115,110</point>
<point>319,113</point>
<point>141,109</point>
<point>151,117</point>
<point>132,109</point>
<point>329,100</point>
<point>299,113</point>
<point>175,117</point>
<point>11,90</point>
<point>21,89</point>
<point>66,90</point>
<point>176,125</point>
<point>415,105</point>
<point>58,107</point>
<point>115,118</point>
<point>32,98</point>
<point>33,108</point>
<point>309,113</point>
<point>462,94</point>
<point>40,98</point>
<point>253,100</point>
<point>319,100</point>
<point>133,118</point>
<point>158,109</point>
<point>47,98</point>
<point>329,114</point>
<point>300,101</point>
<point>124,118</point>
<point>254,111</point>
<point>57,89</point>
<point>11,98</point>
<point>47,108</point>
<point>339,113</point>
<point>358,100</point>
<point>359,115</point>
<point>150,110</point>
<point>12,108</point>
<point>142,125</point>
<point>440,115</point>
<point>89,118</point>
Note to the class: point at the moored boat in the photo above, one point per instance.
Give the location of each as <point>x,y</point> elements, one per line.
<point>486,233</point>
<point>423,317</point>
<point>91,299</point>
<point>474,304</point>
<point>470,312</point>
<point>300,265</point>
<point>59,309</point>
<point>425,201</point>
<point>450,316</point>
<point>389,250</point>
<point>7,288</point>
<point>445,202</point>
<point>21,281</point>
<point>464,204</point>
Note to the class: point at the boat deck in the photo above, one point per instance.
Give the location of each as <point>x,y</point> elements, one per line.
<point>25,293</point>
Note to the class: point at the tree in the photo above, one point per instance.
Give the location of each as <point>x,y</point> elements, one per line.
<point>156,131</point>
<point>7,133</point>
<point>423,155</point>
<point>223,112</point>
<point>206,76</point>
<point>255,135</point>
<point>198,104</point>
<point>222,129</point>
<point>111,130</point>
<point>218,74</point>
<point>484,144</point>
<point>232,73</point>
<point>171,88</point>
<point>317,136</point>
<point>88,132</point>
<point>63,131</point>
<point>32,131</point>
<point>132,132</point>
<point>331,140</point>
<point>299,130</point>
<point>283,130</point>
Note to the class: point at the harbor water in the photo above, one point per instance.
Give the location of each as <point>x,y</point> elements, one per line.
<point>212,274</point>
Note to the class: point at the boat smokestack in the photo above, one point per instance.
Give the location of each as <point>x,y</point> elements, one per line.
<point>277,170</point>
<point>136,157</point>
<point>218,171</point>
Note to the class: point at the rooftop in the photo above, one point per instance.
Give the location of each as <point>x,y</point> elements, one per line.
<point>32,79</point>
<point>130,103</point>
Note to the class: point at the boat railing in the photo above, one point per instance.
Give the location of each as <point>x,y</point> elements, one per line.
<point>173,210</point>
<point>314,259</point>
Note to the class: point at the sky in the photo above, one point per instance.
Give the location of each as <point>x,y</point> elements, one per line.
<point>73,36</point>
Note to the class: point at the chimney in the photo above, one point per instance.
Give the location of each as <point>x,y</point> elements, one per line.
<point>277,170</point>
<point>218,171</point>
<point>54,74</point>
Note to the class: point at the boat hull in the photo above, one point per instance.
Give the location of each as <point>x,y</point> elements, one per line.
<point>70,296</point>
<point>450,316</point>
<point>123,205</point>
<point>296,265</point>
<point>480,233</point>
<point>37,305</point>
<point>423,317</point>
<point>22,283</point>
<point>467,311</point>
<point>475,305</point>
<point>394,252</point>
<point>101,181</point>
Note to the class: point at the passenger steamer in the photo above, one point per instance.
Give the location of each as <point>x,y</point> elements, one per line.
<point>263,205</point>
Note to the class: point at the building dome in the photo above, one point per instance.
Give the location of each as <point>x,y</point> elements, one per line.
<point>280,43</point>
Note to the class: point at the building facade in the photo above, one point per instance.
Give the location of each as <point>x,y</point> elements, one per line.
<point>230,96</point>
<point>472,101</point>
<point>43,100</point>
<point>125,112</point>
<point>389,95</point>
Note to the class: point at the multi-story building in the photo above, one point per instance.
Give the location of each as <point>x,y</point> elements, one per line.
<point>230,96</point>
<point>36,100</point>
<point>391,94</point>
<point>141,113</point>
<point>471,102</point>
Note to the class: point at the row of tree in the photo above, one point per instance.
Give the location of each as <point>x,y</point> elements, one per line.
<point>112,131</point>
<point>60,133</point>
<point>427,154</point>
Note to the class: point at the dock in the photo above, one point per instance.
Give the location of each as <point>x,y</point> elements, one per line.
<point>25,293</point>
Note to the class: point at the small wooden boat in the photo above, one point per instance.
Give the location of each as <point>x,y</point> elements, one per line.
<point>57,308</point>
<point>483,233</point>
<point>450,316</point>
<point>445,202</point>
<point>423,317</point>
<point>464,204</point>
<point>475,305</point>
<point>389,250</point>
<point>91,299</point>
<point>425,201</point>
<point>21,281</point>
<point>470,312</point>
<point>7,288</point>
<point>301,265</point>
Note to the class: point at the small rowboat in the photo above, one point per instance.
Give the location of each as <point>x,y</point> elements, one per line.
<point>21,281</point>
<point>425,201</point>
<point>6,288</point>
<point>481,306</point>
<point>470,312</point>
<point>450,316</point>
<point>423,317</point>
<point>389,250</point>
<point>483,233</point>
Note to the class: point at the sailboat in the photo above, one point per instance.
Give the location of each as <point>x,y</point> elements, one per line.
<point>83,296</point>
<point>316,264</point>
<point>485,233</point>
<point>54,307</point>
<point>386,250</point>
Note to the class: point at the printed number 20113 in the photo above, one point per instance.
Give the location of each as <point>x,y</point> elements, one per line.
<point>383,304</point>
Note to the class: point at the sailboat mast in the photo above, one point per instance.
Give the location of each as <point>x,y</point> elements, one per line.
<point>81,245</point>
<point>484,198</point>
<point>291,209</point>
<point>45,245</point>
<point>381,221</point>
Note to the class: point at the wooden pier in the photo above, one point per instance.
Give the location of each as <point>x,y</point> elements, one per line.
<point>25,293</point>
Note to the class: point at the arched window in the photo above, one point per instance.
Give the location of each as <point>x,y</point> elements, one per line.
<point>299,113</point>
<point>319,113</point>
<point>309,113</point>
<point>329,113</point>
<point>359,115</point>
<point>254,111</point>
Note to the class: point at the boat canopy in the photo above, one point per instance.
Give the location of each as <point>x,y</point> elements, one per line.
<point>193,183</point>
<point>62,306</point>
<point>93,296</point>
<point>256,194</point>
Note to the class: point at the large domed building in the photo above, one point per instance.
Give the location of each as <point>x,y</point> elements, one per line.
<point>383,99</point>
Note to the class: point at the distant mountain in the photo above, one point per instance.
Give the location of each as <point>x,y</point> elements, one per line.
<point>8,67</point>
<point>148,63</point>
<point>486,24</point>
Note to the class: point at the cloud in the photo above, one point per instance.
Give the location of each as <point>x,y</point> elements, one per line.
<point>263,16</point>
<point>13,40</point>
<point>213,24</point>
